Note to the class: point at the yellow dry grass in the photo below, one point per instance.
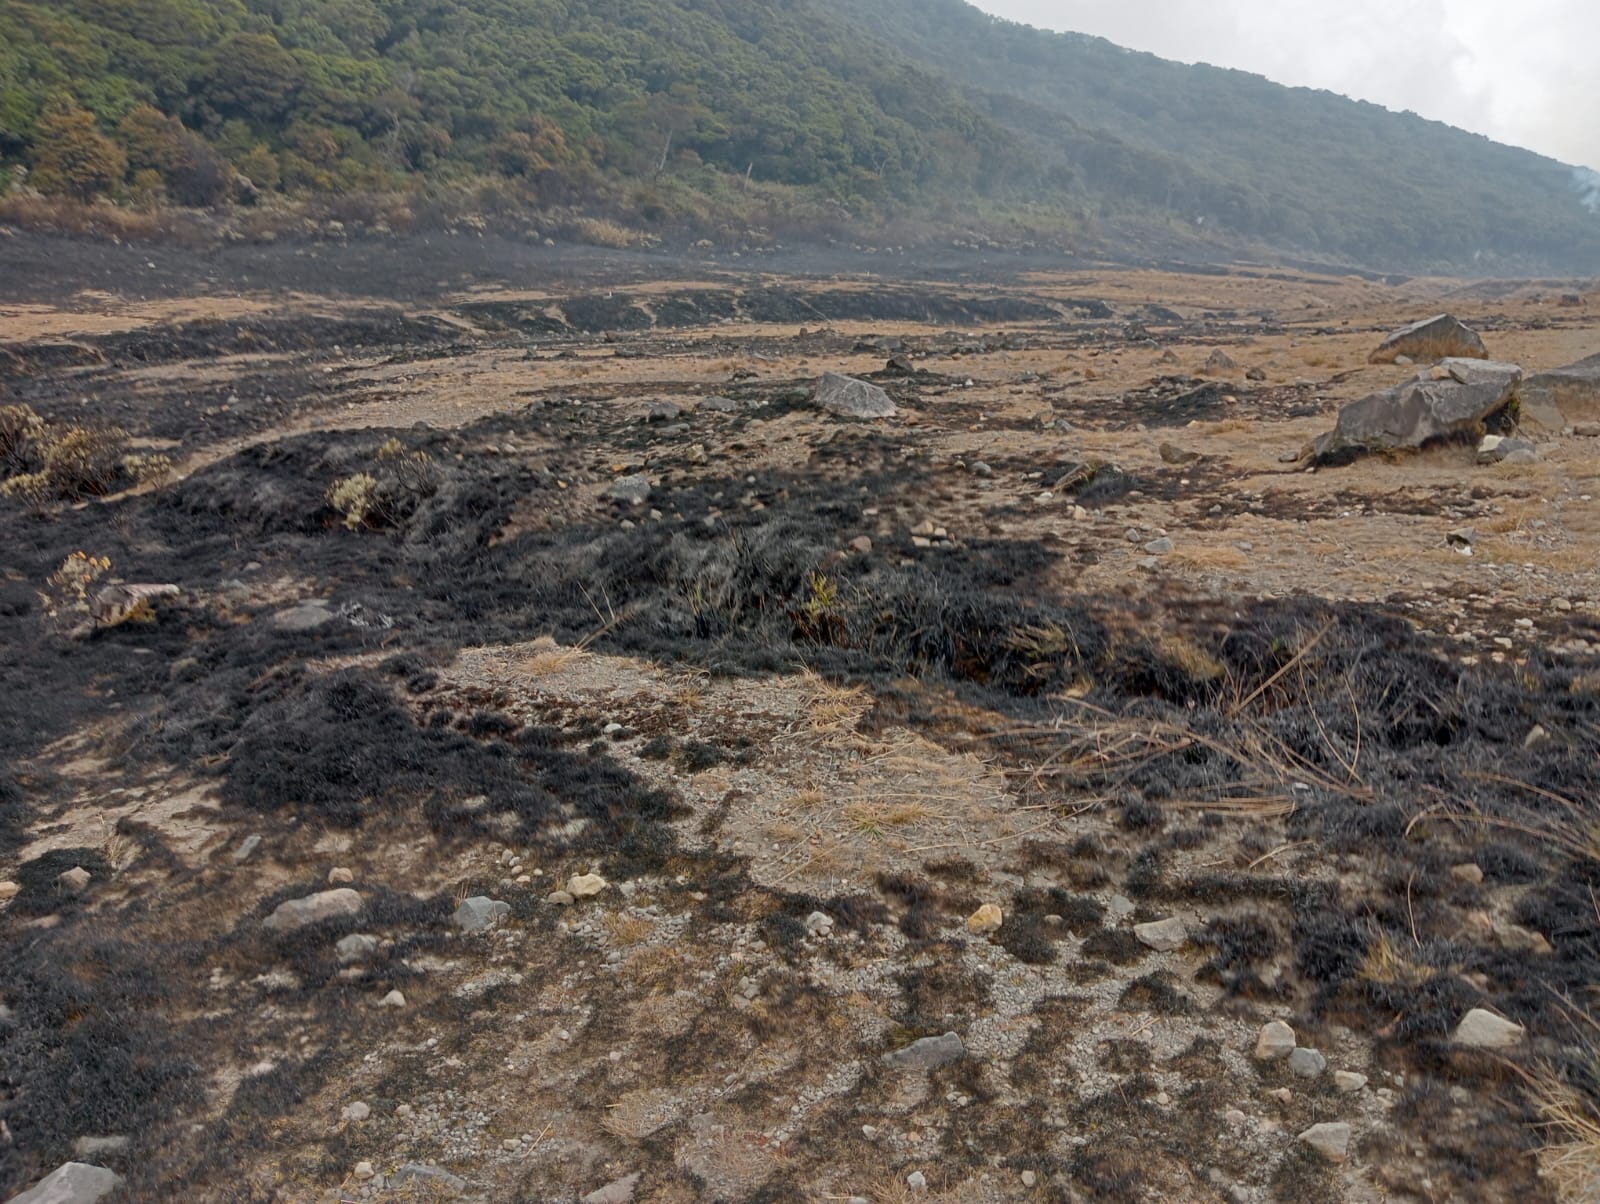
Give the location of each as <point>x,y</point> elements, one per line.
<point>547,657</point>
<point>1570,1159</point>
<point>1210,558</point>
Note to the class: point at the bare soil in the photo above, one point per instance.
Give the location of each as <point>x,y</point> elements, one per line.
<point>829,690</point>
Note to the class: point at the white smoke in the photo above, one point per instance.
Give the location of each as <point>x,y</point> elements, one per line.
<point>1587,182</point>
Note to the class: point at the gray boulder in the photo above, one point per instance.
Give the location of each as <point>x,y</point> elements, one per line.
<point>1555,399</point>
<point>71,1183</point>
<point>848,397</point>
<point>1437,338</point>
<point>928,1054</point>
<point>1453,400</point>
<point>480,912</point>
<point>1493,449</point>
<point>631,490</point>
<point>313,909</point>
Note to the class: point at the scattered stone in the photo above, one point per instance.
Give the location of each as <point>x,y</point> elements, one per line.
<point>88,1148</point>
<point>630,490</point>
<point>313,909</point>
<point>985,920</point>
<point>1495,449</point>
<point>848,397</point>
<point>1306,1063</point>
<point>71,1183</point>
<point>357,1111</point>
<point>1484,1030</point>
<point>1219,361</point>
<point>585,886</point>
<point>664,411</point>
<point>1536,737</point>
<point>1469,872</point>
<point>1120,907</point>
<point>1160,547</point>
<point>1275,1042</point>
<point>1256,374</point>
<point>560,898</point>
<point>1332,1141</point>
<point>364,1171</point>
<point>1462,537</point>
<point>1163,935</point>
<point>356,947</point>
<point>819,923</point>
<point>340,876</point>
<point>247,846</point>
<point>9,890</point>
<point>1420,410</point>
<point>1432,339</point>
<point>979,469</point>
<point>1029,1178</point>
<point>927,1054</point>
<point>1171,453</point>
<point>619,1191</point>
<point>479,912</point>
<point>427,1177</point>
<point>74,881</point>
<point>394,999</point>
<point>307,616</point>
<point>1349,1081</point>
<point>861,544</point>
<point>917,1181</point>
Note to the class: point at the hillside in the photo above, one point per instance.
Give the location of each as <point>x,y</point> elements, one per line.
<point>659,110</point>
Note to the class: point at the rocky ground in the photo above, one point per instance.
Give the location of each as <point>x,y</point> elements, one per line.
<point>574,766</point>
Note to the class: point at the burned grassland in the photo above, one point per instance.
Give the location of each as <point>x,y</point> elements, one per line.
<point>1310,774</point>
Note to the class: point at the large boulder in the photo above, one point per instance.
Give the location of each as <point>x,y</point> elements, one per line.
<point>295,914</point>
<point>1556,399</point>
<point>71,1183</point>
<point>851,398</point>
<point>1437,338</point>
<point>1451,400</point>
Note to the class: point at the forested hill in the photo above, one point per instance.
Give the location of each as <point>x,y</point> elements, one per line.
<point>652,108</point>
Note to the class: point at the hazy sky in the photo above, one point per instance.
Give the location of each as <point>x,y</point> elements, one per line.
<point>1525,72</point>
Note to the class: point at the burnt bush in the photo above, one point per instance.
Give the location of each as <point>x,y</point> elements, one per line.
<point>89,1048</point>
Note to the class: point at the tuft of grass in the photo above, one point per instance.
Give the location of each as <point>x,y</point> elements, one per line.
<point>1570,1157</point>
<point>602,232</point>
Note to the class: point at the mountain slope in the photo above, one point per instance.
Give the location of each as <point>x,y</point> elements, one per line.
<point>906,107</point>
<point>1291,165</point>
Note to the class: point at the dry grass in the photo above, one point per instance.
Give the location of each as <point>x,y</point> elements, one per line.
<point>1210,558</point>
<point>1386,964</point>
<point>548,657</point>
<point>1570,1158</point>
<point>833,710</point>
<point>877,818</point>
<point>638,1114</point>
<point>602,232</point>
<point>628,930</point>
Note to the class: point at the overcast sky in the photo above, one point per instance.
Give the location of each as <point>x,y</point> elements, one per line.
<point>1523,72</point>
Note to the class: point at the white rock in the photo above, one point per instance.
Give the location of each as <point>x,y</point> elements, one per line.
<point>340,875</point>
<point>357,1111</point>
<point>585,886</point>
<point>364,1171</point>
<point>1347,1080</point>
<point>1307,1063</point>
<point>394,999</point>
<point>917,1181</point>
<point>1332,1140</point>
<point>1484,1030</point>
<point>1275,1042</point>
<point>1163,935</point>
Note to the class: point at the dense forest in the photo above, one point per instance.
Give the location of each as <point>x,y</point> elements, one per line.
<point>876,107</point>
